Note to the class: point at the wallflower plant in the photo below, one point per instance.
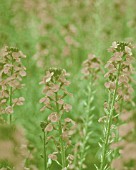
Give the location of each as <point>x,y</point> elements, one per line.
<point>126,125</point>
<point>57,126</point>
<point>91,67</point>
<point>11,73</point>
<point>118,76</point>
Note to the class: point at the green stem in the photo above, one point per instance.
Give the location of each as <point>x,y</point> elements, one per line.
<point>44,149</point>
<point>63,156</point>
<point>87,120</point>
<point>62,147</point>
<point>109,123</point>
<point>83,149</point>
<point>10,103</point>
<point>10,93</point>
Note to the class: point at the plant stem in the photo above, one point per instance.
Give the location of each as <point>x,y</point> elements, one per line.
<point>63,156</point>
<point>10,103</point>
<point>83,149</point>
<point>86,121</point>
<point>45,153</point>
<point>62,147</point>
<point>10,93</point>
<point>109,123</point>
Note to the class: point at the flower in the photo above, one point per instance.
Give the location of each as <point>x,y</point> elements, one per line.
<point>91,66</point>
<point>60,101</point>
<point>67,107</point>
<point>52,157</point>
<point>19,101</point>
<point>9,109</point>
<point>53,117</point>
<point>48,128</point>
<point>47,78</point>
<point>128,50</point>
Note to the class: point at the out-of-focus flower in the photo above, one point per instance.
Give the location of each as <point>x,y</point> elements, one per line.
<point>91,66</point>
<point>12,151</point>
<point>12,71</point>
<point>52,156</point>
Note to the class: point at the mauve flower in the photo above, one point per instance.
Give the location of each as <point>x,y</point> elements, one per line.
<point>126,115</point>
<point>55,87</point>
<point>19,101</point>
<point>47,78</point>
<point>65,136</point>
<point>67,107</point>
<point>43,108</point>
<point>9,110</point>
<point>117,164</point>
<point>117,57</point>
<point>129,152</point>
<point>61,102</point>
<point>7,68</point>
<point>48,128</point>
<point>52,156</point>
<point>126,128</point>
<point>22,73</point>
<point>68,120</point>
<point>53,117</point>
<point>45,100</point>
<point>91,66</point>
<point>110,85</point>
<point>49,93</point>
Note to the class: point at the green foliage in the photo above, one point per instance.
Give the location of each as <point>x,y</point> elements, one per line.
<point>61,33</point>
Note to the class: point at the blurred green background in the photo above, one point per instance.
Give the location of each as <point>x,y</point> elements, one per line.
<point>61,33</point>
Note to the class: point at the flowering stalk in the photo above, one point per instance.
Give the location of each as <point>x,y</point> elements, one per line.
<point>11,73</point>
<point>55,92</point>
<point>87,121</point>
<point>91,67</point>
<point>118,74</point>
<point>10,93</point>
<point>124,142</point>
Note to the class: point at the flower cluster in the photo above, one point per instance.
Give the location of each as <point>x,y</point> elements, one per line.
<point>54,92</point>
<point>91,66</point>
<point>119,71</point>
<point>11,73</point>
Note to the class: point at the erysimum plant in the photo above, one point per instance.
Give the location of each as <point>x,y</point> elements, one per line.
<point>91,68</point>
<point>117,82</point>
<point>11,73</point>
<point>57,127</point>
<point>125,109</point>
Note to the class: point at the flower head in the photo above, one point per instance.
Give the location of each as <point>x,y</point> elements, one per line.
<point>12,71</point>
<point>120,67</point>
<point>91,66</point>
